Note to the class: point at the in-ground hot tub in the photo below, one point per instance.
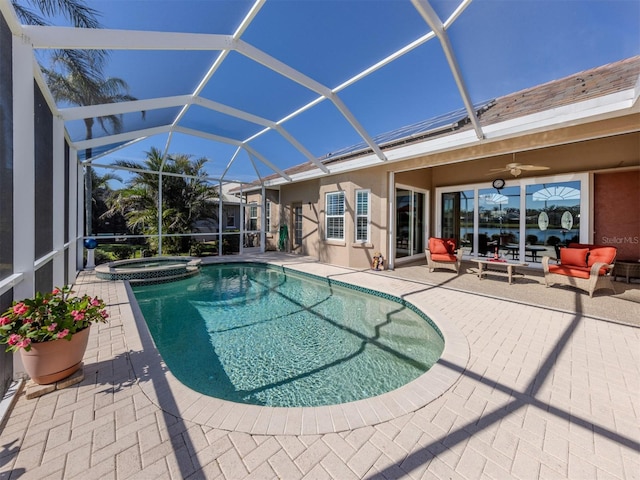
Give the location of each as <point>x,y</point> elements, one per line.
<point>149,270</point>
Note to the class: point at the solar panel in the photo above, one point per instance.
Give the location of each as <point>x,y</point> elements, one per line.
<point>433,125</point>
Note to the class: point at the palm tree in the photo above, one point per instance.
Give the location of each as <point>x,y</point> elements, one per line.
<point>79,80</point>
<point>185,199</point>
<point>72,86</point>
<point>101,192</point>
<point>75,88</point>
<point>89,62</point>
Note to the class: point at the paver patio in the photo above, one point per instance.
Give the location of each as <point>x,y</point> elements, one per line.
<point>542,392</point>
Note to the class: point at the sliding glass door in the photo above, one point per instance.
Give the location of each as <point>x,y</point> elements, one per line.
<point>525,220</point>
<point>410,222</point>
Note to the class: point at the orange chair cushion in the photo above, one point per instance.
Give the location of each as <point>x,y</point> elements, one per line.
<point>443,257</point>
<point>570,270</point>
<point>442,246</point>
<point>574,257</point>
<point>580,245</point>
<point>601,254</point>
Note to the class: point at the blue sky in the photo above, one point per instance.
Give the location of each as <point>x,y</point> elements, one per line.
<point>502,46</point>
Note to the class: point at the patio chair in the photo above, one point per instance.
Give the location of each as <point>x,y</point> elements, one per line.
<point>584,266</point>
<point>442,253</point>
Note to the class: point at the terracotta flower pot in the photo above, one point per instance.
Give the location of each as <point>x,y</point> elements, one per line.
<point>49,362</point>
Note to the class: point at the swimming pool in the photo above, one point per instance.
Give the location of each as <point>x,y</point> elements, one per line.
<point>262,335</point>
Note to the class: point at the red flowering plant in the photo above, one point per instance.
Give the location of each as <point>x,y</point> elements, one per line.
<point>49,317</point>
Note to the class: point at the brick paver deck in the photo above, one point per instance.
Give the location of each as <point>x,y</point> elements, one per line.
<point>525,392</point>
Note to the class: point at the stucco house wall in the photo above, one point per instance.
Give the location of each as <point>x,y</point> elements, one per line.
<point>611,153</point>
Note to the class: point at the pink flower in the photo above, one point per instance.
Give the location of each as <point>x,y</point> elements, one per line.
<point>63,333</point>
<point>52,327</point>
<point>95,302</point>
<point>77,316</point>
<point>20,308</point>
<point>27,321</point>
<point>14,338</point>
<point>24,343</point>
<point>104,314</point>
<point>55,291</point>
<point>5,320</point>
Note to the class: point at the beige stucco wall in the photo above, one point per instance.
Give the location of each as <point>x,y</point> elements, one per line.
<point>568,150</point>
<point>614,152</point>
<point>347,252</point>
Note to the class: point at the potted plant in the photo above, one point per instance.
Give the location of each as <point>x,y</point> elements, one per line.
<point>51,332</point>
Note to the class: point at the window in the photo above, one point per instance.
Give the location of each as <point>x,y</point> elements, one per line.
<point>253,217</point>
<point>297,225</point>
<point>231,219</point>
<point>362,215</point>
<point>267,217</point>
<point>527,219</point>
<point>334,227</point>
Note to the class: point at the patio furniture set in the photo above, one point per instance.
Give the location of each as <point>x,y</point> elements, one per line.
<point>584,266</point>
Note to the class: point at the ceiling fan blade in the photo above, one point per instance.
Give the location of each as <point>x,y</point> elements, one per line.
<point>532,167</point>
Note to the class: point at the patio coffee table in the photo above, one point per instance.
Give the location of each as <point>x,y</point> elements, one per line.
<point>508,264</point>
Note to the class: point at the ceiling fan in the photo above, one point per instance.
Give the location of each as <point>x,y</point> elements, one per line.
<point>517,168</point>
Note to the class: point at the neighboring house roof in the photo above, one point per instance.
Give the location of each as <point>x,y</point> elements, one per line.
<point>554,98</point>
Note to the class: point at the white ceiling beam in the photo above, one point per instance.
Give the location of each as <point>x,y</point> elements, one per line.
<point>431,17</point>
<point>282,68</point>
<point>221,57</point>
<point>120,137</point>
<point>232,141</point>
<point>385,61</point>
<point>113,150</point>
<point>234,112</point>
<point>111,39</point>
<point>94,111</point>
<point>9,14</point>
<point>301,148</point>
<point>280,172</point>
<point>246,21</point>
<point>359,128</point>
<point>292,74</point>
<point>456,13</point>
<point>233,159</point>
<point>108,39</point>
<point>394,56</point>
<point>404,50</point>
<point>210,136</point>
<point>255,169</point>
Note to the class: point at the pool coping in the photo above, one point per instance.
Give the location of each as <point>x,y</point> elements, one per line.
<point>168,393</point>
<point>114,270</point>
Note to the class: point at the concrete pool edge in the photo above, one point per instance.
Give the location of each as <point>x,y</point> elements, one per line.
<point>169,394</point>
<point>174,268</point>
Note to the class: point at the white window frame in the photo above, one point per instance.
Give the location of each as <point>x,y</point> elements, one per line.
<point>267,216</point>
<point>231,219</point>
<point>329,215</point>
<point>253,216</point>
<point>585,201</point>
<point>359,215</point>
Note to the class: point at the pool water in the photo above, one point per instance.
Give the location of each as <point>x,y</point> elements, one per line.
<point>254,334</point>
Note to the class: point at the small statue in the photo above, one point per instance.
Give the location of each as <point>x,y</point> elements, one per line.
<point>378,261</point>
